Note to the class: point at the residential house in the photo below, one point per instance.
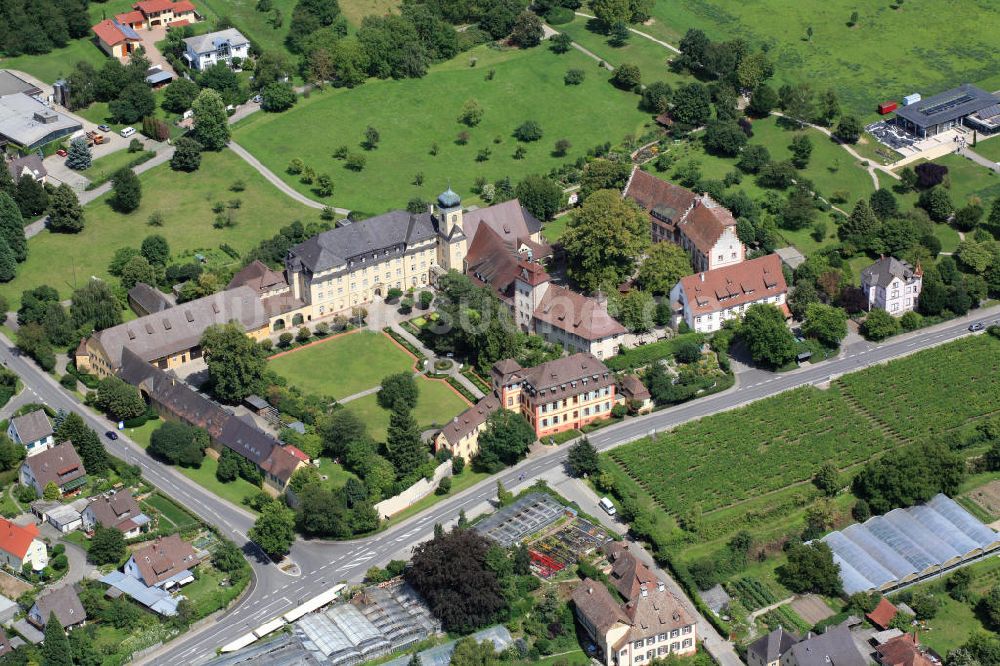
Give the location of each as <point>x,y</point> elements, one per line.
<point>148,14</point>
<point>635,394</point>
<point>29,165</point>
<point>708,299</point>
<point>905,650</point>
<point>203,51</point>
<point>146,300</point>
<point>21,545</point>
<point>59,465</point>
<point>115,510</point>
<point>461,436</point>
<point>33,431</point>
<point>651,624</point>
<point>699,224</point>
<point>164,563</point>
<point>767,650</point>
<point>892,285</point>
<point>27,124</point>
<point>64,602</point>
<point>835,647</point>
<point>118,40</point>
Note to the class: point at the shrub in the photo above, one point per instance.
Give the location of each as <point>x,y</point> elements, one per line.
<point>528,131</point>
<point>285,339</point>
<point>303,335</point>
<point>574,77</point>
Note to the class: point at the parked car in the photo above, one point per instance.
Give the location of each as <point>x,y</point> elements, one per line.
<point>608,507</point>
<point>978,326</point>
<point>111,434</point>
<point>127,132</point>
<point>104,128</point>
<point>61,153</point>
<point>257,99</point>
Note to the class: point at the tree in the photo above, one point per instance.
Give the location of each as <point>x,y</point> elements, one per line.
<point>462,603</point>
<point>56,650</point>
<point>156,250</point>
<point>119,400</point>
<point>472,113</point>
<point>627,77</point>
<point>848,129</point>
<point>179,444</point>
<point>968,217</point>
<point>12,227</point>
<point>879,325</point>
<point>611,12</point>
<point>937,203</point>
<point>229,466</point>
<point>30,196</point>
<point>126,190</point>
<point>762,101</point>
<point>504,441</point>
<point>959,584</point>
<point>274,530</point>
<point>561,43</point>
<point>825,323</point>
<point>528,131</point>
<point>574,77</point>
<point>340,429</point>
<point>138,269</point>
<point>883,203</point>
<point>499,17</point>
<point>801,148</point>
<point>930,174</point>
<point>51,491</point>
<point>827,479</point>
<point>65,212</point>
<point>542,196</point>
<point>753,158</point>
<point>187,155</point>
<point>73,429</point>
<point>605,236</point>
<point>277,97</point>
<point>752,70</point>
<point>692,104</point>
<point>406,450</point>
<point>78,156</point>
<point>527,30</point>
<point>767,338</point>
<point>777,175</point>
<point>211,123</point>
<point>582,459</point>
<point>665,264</point>
<point>133,104</point>
<point>810,568</point>
<point>656,97</point>
<point>399,391</point>
<point>861,228</point>
<point>179,95</point>
<point>909,475</point>
<point>107,546</point>
<point>236,364</point>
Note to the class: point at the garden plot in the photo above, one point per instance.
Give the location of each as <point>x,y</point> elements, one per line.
<point>565,545</point>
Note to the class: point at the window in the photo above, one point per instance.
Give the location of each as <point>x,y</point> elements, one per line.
<point>650,654</point>
<point>895,293</point>
<point>721,257</point>
<point>675,633</point>
<point>650,641</point>
<point>661,650</point>
<point>545,422</point>
<point>661,637</point>
<point>687,642</point>
<point>637,644</point>
<point>510,402</point>
<point>675,646</point>
<point>687,629</point>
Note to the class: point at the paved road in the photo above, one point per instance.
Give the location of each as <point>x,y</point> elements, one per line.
<point>325,563</point>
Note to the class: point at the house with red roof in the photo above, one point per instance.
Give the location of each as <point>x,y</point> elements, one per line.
<point>21,545</point>
<point>152,13</point>
<point>707,299</point>
<point>116,39</point>
<point>883,614</point>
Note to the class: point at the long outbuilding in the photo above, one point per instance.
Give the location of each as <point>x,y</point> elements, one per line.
<point>907,545</point>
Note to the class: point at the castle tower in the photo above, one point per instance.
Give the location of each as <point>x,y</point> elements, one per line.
<point>454,245</point>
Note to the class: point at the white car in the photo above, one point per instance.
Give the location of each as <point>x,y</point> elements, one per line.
<point>608,507</point>
<point>127,132</point>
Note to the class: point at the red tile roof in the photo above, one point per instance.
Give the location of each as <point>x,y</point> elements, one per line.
<point>15,539</point>
<point>181,7</point>
<point>706,223</point>
<point>663,200</point>
<point>883,614</point>
<point>297,452</point>
<point>109,33</point>
<point>178,24</point>
<point>153,6</point>
<point>131,18</point>
<point>732,286</point>
<point>903,651</point>
<point>575,313</point>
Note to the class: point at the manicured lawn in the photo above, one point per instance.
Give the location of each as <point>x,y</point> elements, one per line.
<point>51,67</point>
<point>142,434</point>
<point>103,168</point>
<point>206,593</point>
<point>648,55</point>
<point>234,491</point>
<point>437,403</point>
<point>355,10</point>
<point>554,230</point>
<point>257,26</point>
<point>969,180</point>
<point>853,61</point>
<point>344,365</point>
<point>336,475</point>
<point>184,199</point>
<point>170,511</point>
<point>526,85</point>
<point>989,149</point>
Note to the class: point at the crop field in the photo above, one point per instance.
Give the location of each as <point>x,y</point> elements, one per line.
<point>935,391</point>
<point>752,593</point>
<point>737,455</point>
<point>934,45</point>
<point>413,116</point>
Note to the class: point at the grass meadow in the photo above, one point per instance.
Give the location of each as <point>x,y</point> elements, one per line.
<point>437,403</point>
<point>412,115</point>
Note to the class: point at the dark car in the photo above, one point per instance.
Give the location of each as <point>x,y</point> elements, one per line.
<point>978,326</point>
<point>104,128</point>
<point>111,434</point>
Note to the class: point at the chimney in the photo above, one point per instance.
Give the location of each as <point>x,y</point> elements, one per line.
<point>590,589</point>
<point>702,276</point>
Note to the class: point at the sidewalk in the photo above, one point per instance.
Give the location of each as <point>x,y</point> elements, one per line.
<point>432,357</point>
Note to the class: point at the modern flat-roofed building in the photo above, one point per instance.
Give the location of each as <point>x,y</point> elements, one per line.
<point>945,110</point>
<point>26,124</point>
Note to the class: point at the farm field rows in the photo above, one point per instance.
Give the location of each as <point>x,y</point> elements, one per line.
<point>414,115</point>
<point>737,455</point>
<point>933,392</point>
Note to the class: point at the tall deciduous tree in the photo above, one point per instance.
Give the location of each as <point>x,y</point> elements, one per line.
<point>826,323</point>
<point>179,443</point>
<point>95,306</point>
<point>65,212</point>
<point>274,530</point>
<point>107,546</point>
<point>504,441</point>
<point>339,429</point>
<point>211,124</point>
<point>399,391</point>
<point>126,190</point>
<point>604,238</point>
<point>119,400</point>
<point>236,364</point>
<point>542,196</point>
<point>583,459</point>
<point>810,568</point>
<point>767,337</point>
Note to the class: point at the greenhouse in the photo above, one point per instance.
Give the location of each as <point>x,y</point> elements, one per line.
<point>906,545</point>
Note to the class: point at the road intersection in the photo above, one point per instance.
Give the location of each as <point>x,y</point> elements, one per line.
<point>321,564</point>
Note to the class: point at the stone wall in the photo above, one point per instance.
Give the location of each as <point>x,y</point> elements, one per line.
<point>417,491</point>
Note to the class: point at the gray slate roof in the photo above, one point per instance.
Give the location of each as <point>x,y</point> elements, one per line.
<point>28,122</point>
<point>947,106</point>
<point>59,465</point>
<point>834,648</point>
<point>393,231</point>
<point>11,83</point>
<point>885,269</point>
<point>32,426</point>
<point>208,43</point>
<point>771,646</point>
<point>64,602</point>
<point>149,298</point>
<point>32,163</point>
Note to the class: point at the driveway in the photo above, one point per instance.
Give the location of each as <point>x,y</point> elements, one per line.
<point>78,566</point>
<point>149,39</point>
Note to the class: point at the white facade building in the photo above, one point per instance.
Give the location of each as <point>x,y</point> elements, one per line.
<point>204,51</point>
<point>892,285</point>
